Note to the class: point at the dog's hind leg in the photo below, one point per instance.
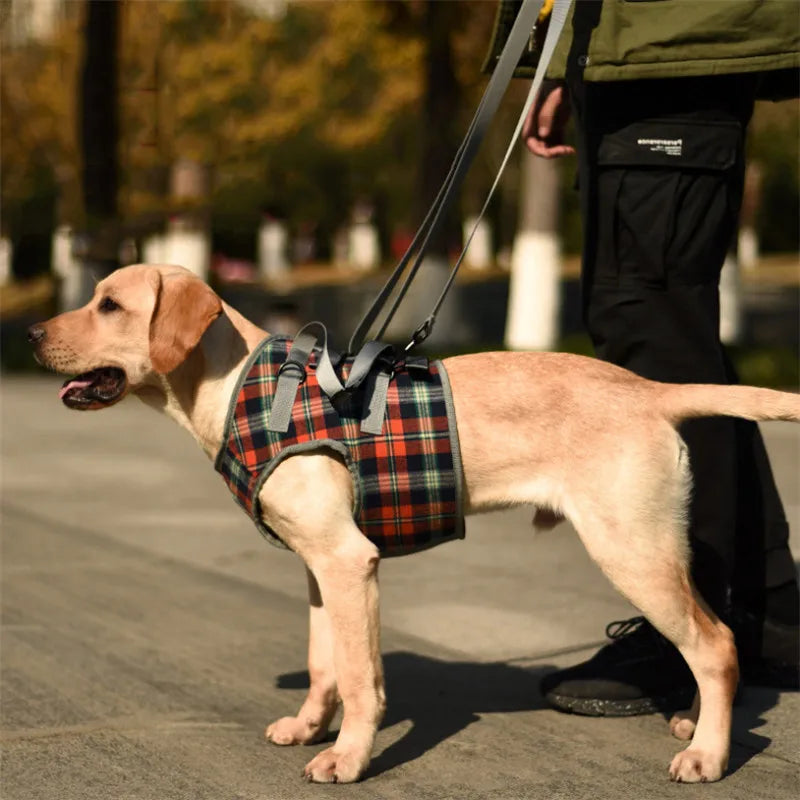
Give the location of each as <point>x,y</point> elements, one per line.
<point>639,540</point>
<point>312,720</point>
<point>710,651</point>
<point>662,590</point>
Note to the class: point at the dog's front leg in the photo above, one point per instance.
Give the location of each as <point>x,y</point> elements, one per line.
<point>312,720</point>
<point>308,502</point>
<point>348,582</point>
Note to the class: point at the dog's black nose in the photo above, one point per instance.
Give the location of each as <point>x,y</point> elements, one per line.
<point>36,333</point>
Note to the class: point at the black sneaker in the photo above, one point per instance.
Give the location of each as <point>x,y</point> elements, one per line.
<point>638,672</point>
<point>769,651</point>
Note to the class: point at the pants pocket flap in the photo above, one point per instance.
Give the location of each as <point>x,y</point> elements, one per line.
<point>672,143</point>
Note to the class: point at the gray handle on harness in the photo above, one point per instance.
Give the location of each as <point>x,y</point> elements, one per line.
<point>293,372</point>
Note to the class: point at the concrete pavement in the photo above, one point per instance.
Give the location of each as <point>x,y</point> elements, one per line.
<point>149,634</point>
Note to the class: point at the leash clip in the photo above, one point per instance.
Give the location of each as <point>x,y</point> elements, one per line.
<point>420,334</point>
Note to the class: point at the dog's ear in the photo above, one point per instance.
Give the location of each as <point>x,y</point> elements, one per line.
<point>185,307</point>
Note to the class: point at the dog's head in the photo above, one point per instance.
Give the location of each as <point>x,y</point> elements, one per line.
<point>143,321</point>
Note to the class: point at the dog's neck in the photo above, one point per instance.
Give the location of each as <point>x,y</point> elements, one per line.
<point>197,394</point>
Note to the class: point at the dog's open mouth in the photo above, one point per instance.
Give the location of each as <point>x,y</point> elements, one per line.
<point>94,389</point>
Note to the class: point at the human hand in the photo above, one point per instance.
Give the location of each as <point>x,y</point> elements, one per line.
<point>543,129</point>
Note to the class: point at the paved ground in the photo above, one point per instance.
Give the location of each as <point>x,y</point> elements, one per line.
<point>149,634</point>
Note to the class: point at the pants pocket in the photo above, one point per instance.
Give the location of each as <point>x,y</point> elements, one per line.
<point>668,197</point>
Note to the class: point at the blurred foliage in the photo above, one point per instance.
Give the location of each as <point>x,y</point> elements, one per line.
<point>778,367</point>
<point>771,366</point>
<point>775,145</point>
<point>39,175</point>
<point>301,114</point>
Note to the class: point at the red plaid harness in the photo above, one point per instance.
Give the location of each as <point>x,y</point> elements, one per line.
<point>407,479</point>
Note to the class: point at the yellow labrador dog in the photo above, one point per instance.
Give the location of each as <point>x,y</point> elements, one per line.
<point>577,437</point>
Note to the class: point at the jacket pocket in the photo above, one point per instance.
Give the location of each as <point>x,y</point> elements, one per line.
<point>668,197</point>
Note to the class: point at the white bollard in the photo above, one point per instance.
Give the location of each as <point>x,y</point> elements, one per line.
<point>730,306</point>
<point>748,250</point>
<point>67,268</point>
<point>534,292</point>
<point>154,249</point>
<point>479,253</point>
<point>190,249</point>
<point>364,246</point>
<point>6,254</point>
<point>273,239</point>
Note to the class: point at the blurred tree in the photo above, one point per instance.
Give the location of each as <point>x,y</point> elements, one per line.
<point>39,177</point>
<point>775,144</point>
<point>439,130</point>
<point>303,105</point>
<point>302,113</point>
<point>320,107</point>
<point>99,136</point>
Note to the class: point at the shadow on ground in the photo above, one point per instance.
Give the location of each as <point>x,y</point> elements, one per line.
<point>746,718</point>
<point>441,698</point>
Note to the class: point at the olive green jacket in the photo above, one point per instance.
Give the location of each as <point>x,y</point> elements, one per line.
<point>640,39</point>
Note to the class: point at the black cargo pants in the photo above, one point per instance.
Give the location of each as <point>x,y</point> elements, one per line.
<point>661,169</point>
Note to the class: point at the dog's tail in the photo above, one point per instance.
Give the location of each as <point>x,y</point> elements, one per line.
<point>686,401</point>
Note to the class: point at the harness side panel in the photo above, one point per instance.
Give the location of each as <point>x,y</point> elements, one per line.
<point>407,480</point>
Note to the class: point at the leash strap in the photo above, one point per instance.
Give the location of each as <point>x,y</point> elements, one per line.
<point>558,18</point>
<point>518,38</point>
<point>423,235</point>
<point>293,371</point>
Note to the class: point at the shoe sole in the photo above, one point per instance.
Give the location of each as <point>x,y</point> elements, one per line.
<point>593,707</point>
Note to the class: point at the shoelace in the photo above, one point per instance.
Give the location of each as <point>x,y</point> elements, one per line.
<point>636,635</point>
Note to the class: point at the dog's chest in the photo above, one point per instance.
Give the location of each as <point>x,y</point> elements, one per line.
<point>407,479</point>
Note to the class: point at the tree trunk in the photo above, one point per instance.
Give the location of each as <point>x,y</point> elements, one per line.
<point>99,136</point>
<point>440,108</point>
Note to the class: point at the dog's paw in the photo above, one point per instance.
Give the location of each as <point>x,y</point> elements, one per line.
<point>294,730</point>
<point>682,725</point>
<point>696,766</point>
<point>334,766</point>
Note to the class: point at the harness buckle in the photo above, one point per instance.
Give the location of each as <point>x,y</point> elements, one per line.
<point>299,366</point>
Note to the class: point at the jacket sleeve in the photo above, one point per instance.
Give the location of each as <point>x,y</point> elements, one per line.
<point>507,11</point>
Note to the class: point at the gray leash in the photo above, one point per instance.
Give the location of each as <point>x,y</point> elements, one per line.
<point>293,371</point>
<point>501,77</point>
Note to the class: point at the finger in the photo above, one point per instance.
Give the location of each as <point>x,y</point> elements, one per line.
<point>529,127</point>
<point>530,124</point>
<point>539,147</point>
<point>536,146</point>
<point>561,150</point>
<point>548,111</point>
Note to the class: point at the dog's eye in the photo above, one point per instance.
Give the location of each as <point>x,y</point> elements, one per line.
<point>107,305</point>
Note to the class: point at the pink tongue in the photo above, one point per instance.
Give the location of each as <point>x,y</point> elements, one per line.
<point>73,385</point>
